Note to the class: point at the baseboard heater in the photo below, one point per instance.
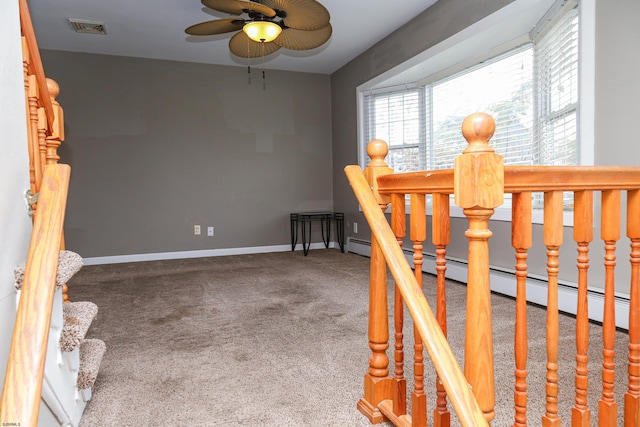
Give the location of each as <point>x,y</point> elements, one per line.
<point>504,282</point>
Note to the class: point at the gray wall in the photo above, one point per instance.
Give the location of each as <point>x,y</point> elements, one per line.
<point>617,82</point>
<point>195,144</point>
<point>439,22</point>
<point>616,94</point>
<point>157,147</point>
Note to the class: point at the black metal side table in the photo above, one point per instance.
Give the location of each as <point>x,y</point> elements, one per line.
<point>325,218</point>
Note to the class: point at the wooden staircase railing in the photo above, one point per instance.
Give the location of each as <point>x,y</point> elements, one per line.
<point>479,181</point>
<point>45,117</point>
<point>379,387</point>
<point>49,183</point>
<point>20,401</point>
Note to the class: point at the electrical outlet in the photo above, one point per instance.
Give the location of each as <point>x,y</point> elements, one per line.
<point>196,230</point>
<point>210,231</point>
<point>355,228</point>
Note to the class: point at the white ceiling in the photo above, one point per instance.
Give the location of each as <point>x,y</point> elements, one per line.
<point>155,29</point>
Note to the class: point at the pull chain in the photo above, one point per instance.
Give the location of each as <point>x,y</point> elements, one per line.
<point>264,80</point>
<point>248,64</point>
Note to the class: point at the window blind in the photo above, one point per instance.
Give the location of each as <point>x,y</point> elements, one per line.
<point>501,87</point>
<point>531,91</point>
<point>396,117</point>
<point>556,79</point>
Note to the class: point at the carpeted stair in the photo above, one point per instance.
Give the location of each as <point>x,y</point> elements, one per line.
<point>91,352</point>
<point>78,317</point>
<point>69,263</point>
<point>73,362</point>
<point>77,320</point>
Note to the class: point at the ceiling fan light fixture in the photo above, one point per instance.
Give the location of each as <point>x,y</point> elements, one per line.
<point>262,31</point>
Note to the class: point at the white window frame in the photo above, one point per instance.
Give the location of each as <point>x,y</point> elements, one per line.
<point>498,33</point>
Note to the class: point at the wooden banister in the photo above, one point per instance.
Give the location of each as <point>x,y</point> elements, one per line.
<point>45,116</point>
<point>35,62</point>
<point>20,402</point>
<point>479,182</point>
<point>519,179</point>
<point>445,363</point>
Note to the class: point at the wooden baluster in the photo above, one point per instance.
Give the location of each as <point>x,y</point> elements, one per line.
<point>378,386</point>
<point>31,101</point>
<point>479,188</point>
<point>440,236</point>
<point>418,235</point>
<point>583,235</point>
<point>521,238</point>
<point>552,232</point>
<point>26,62</point>
<point>632,396</point>
<point>42,137</point>
<point>399,226</point>
<point>34,148</point>
<point>610,233</point>
<point>57,133</point>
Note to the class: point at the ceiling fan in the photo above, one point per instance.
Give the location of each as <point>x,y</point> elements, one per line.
<point>268,26</point>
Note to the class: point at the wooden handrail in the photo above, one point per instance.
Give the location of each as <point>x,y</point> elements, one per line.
<point>22,389</point>
<point>518,179</point>
<point>36,63</point>
<point>444,361</point>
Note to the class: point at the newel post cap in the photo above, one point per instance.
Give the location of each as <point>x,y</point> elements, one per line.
<point>377,150</point>
<point>479,172</point>
<point>58,115</point>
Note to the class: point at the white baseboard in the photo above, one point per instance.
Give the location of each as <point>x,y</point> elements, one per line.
<point>505,283</point>
<point>159,256</point>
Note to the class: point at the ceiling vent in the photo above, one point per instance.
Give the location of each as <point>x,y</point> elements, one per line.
<point>88,27</point>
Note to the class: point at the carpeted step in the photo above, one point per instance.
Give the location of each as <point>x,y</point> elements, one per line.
<point>69,263</point>
<point>77,319</point>
<point>91,352</point>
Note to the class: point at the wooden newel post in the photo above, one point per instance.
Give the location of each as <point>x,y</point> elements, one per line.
<point>378,385</point>
<point>56,136</point>
<point>479,187</point>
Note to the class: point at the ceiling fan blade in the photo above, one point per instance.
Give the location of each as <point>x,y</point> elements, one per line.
<point>241,45</point>
<point>219,26</point>
<point>291,38</point>
<point>301,14</point>
<point>237,7</point>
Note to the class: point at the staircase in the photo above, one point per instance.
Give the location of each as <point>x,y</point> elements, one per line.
<point>73,361</point>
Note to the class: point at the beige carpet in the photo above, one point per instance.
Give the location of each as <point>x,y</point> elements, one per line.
<point>273,340</point>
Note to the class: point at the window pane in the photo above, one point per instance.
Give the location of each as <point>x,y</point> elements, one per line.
<point>559,141</point>
<point>557,65</point>
<point>502,88</point>
<point>531,92</point>
<point>404,159</point>
<point>557,83</point>
<point>396,118</point>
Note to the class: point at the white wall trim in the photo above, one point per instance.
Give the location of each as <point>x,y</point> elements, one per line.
<point>505,283</point>
<point>159,256</point>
